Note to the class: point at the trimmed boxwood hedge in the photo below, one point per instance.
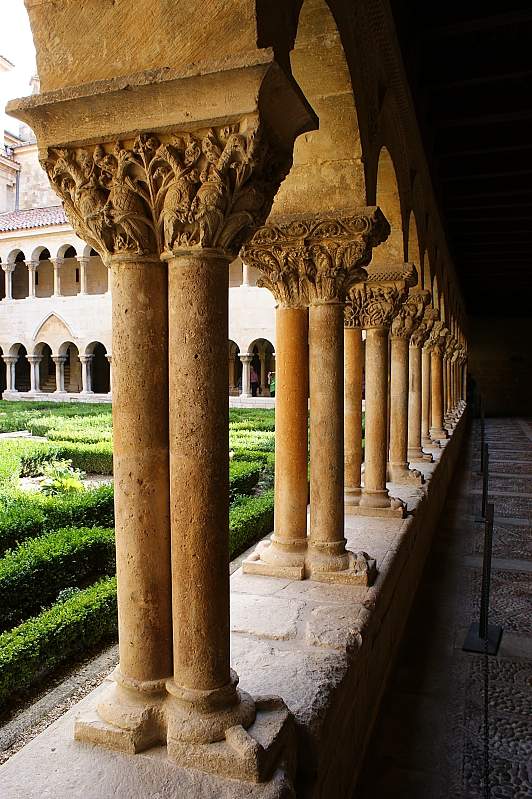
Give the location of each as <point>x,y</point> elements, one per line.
<point>32,575</point>
<point>250,518</point>
<point>244,476</point>
<point>92,458</point>
<point>37,646</point>
<point>31,515</point>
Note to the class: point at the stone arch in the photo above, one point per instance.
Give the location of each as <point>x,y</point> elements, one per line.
<point>72,367</point>
<point>328,169</point>
<point>44,275</point>
<point>263,362</point>
<point>235,367</point>
<point>22,368</point>
<point>66,251</point>
<point>47,376</point>
<point>3,381</point>
<point>100,367</point>
<point>15,255</point>
<point>414,252</point>
<point>392,251</point>
<point>20,278</point>
<point>53,329</point>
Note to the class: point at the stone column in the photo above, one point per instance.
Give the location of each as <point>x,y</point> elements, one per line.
<point>406,322</point>
<point>231,368</point>
<point>34,361</point>
<point>246,374</point>
<point>436,345</point>
<point>10,361</point>
<point>284,556</point>
<point>57,263</point>
<point>263,382</point>
<point>379,300</point>
<point>192,200</point>
<point>313,262</point>
<point>32,269</point>
<point>9,269</point>
<point>86,373</point>
<point>110,361</point>
<point>353,379</point>
<point>83,262</point>
<point>418,385</point>
<point>245,274</point>
<point>59,361</point>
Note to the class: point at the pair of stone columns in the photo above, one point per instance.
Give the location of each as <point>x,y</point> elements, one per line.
<point>168,214</point>
<point>313,263</point>
<point>8,271</point>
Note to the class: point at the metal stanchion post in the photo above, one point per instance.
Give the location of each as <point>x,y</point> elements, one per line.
<point>483,636</point>
<point>485,479</point>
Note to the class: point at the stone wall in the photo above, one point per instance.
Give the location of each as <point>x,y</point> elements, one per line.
<point>501,362</point>
<point>34,189</point>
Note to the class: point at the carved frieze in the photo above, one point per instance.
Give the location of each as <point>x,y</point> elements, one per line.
<point>315,259</point>
<point>207,189</point>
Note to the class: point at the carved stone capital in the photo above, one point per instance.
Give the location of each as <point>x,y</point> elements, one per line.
<point>9,268</point>
<point>410,314</point>
<point>437,340</point>
<point>423,331</point>
<point>315,259</point>
<point>376,301</point>
<point>171,192</point>
<point>32,265</point>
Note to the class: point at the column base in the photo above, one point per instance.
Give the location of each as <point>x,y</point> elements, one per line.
<point>271,560</point>
<point>251,754</point>
<point>400,473</point>
<point>127,719</point>
<point>438,433</point>
<point>352,495</point>
<point>324,565</point>
<point>379,503</point>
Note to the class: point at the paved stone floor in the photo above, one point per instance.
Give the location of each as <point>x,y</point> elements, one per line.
<point>428,739</point>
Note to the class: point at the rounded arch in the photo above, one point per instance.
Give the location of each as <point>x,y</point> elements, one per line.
<point>22,367</point>
<point>263,365</point>
<point>388,199</point>
<point>72,367</point>
<point>66,251</point>
<point>100,368</point>
<point>235,367</point>
<point>15,256</point>
<point>328,169</point>
<point>47,372</point>
<point>40,253</point>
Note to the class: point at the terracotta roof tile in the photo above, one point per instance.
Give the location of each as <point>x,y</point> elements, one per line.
<point>33,217</point>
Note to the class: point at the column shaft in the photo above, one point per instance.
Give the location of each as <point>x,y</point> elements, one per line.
<point>436,374</point>
<point>326,373</point>
<point>8,271</point>
<point>353,378</point>
<point>414,403</point>
<point>375,493</point>
<point>291,429</point>
<point>199,463</point>
<point>141,471</point>
<point>246,375</point>
<point>399,408</point>
<point>426,412</point>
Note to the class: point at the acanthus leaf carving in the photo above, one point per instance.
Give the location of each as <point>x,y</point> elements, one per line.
<point>410,314</point>
<point>207,189</point>
<point>438,338</point>
<point>422,333</point>
<point>314,259</point>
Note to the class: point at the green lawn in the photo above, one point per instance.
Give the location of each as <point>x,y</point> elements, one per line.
<point>57,585</point>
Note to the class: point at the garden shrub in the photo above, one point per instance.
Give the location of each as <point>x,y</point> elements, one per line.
<point>37,646</point>
<point>92,458</point>
<point>32,575</point>
<point>31,515</point>
<point>244,476</point>
<point>250,518</point>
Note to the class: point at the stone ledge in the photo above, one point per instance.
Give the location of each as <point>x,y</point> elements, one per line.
<point>326,650</point>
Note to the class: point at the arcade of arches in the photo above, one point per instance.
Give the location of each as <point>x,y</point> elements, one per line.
<point>291,140</point>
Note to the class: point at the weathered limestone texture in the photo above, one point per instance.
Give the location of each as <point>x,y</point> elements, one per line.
<point>312,260</point>
<point>325,649</point>
<point>378,301</point>
<point>353,379</point>
<point>436,345</point>
<point>142,190</point>
<point>403,327</point>
<point>419,389</point>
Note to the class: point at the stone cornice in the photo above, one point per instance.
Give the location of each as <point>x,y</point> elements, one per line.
<point>410,314</point>
<point>314,259</point>
<point>377,300</point>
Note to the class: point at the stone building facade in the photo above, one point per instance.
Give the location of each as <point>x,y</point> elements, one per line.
<point>55,299</point>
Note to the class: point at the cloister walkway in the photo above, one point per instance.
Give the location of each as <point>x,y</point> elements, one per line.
<point>428,739</point>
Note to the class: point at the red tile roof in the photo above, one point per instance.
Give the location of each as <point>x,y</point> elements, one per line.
<point>33,217</point>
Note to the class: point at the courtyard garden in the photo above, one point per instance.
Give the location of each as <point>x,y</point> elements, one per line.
<point>57,556</point>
